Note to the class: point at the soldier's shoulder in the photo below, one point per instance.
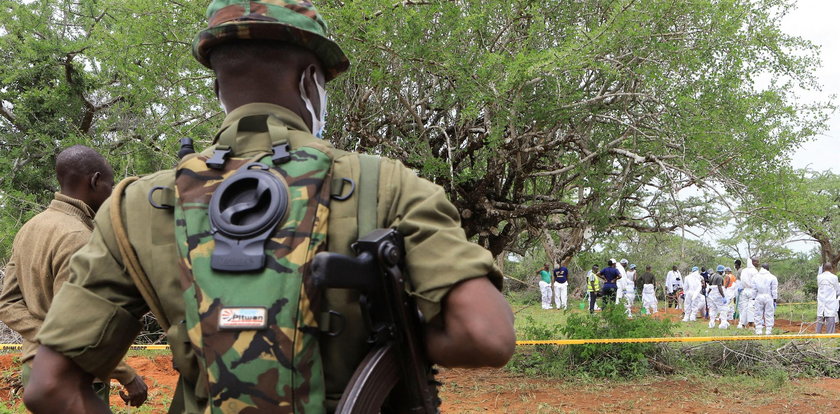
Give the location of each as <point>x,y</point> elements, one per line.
<point>144,183</point>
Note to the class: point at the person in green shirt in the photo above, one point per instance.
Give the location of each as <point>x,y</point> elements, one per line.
<point>545,286</point>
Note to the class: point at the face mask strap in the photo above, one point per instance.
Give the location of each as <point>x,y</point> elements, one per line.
<point>318,121</point>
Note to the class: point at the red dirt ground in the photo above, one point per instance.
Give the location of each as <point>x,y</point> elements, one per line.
<point>784,325</point>
<point>498,391</point>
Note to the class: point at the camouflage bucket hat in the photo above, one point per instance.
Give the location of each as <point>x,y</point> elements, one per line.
<point>290,21</point>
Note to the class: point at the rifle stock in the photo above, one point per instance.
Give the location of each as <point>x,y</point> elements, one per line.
<point>397,364</point>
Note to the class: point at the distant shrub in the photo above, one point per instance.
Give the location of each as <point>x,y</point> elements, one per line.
<point>598,360</point>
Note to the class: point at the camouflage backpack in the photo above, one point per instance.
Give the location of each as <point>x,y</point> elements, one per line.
<point>247,230</point>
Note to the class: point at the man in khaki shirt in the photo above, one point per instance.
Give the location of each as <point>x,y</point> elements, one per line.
<point>41,252</point>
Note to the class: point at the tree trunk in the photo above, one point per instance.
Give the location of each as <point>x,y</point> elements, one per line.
<point>562,252</point>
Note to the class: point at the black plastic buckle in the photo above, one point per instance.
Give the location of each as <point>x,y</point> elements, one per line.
<point>217,161</point>
<point>281,154</point>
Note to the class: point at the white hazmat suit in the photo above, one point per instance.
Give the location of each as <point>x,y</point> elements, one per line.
<point>673,282</point>
<point>828,290</point>
<point>747,296</point>
<point>693,299</point>
<point>629,291</point>
<point>619,291</point>
<point>718,304</point>
<point>766,287</point>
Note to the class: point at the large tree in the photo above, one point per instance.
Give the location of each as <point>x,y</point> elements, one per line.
<point>799,205</point>
<point>577,117</point>
<point>112,74</point>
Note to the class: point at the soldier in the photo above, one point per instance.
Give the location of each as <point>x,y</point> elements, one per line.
<point>40,262</point>
<point>271,64</point>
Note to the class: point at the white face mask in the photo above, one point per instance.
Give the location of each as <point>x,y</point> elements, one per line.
<point>319,121</point>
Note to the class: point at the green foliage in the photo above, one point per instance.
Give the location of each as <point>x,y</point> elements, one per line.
<point>614,360</point>
<point>572,116</point>
<point>567,116</point>
<point>598,360</point>
<point>115,75</point>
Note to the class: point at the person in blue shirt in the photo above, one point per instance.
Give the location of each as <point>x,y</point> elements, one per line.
<point>610,276</point>
<point>561,290</point>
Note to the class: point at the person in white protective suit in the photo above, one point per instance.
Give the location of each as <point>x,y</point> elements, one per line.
<point>647,283</point>
<point>545,286</point>
<point>622,269</point>
<point>673,284</point>
<point>630,289</point>
<point>766,287</point>
<point>746,298</point>
<point>716,297</point>
<point>730,290</point>
<point>827,292</point>
<point>693,299</point>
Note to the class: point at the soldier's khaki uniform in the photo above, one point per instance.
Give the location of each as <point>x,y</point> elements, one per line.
<point>94,318</point>
<point>39,266</point>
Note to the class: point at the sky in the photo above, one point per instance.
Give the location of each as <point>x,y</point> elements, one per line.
<point>816,20</point>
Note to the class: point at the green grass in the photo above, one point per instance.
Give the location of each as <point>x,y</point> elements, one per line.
<point>525,307</point>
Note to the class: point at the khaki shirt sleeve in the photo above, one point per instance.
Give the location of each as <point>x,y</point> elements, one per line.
<point>123,373</point>
<point>94,318</point>
<point>71,243</point>
<point>438,254</point>
<point>13,310</point>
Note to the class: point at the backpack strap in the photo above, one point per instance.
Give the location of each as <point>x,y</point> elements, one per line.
<point>368,192</point>
<point>129,256</point>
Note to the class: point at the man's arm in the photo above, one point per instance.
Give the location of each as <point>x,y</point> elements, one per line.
<point>58,385</point>
<point>601,275</point>
<point>13,310</point>
<point>475,327</point>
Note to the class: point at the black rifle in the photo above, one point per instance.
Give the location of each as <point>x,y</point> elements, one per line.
<point>397,364</point>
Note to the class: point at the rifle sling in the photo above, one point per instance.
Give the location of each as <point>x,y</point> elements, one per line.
<point>368,191</point>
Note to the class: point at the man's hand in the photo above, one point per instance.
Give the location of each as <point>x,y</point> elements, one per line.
<point>136,392</point>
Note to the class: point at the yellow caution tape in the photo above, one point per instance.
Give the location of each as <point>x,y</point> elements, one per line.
<point>10,346</point>
<point>149,347</point>
<point>597,340</point>
<point>676,339</point>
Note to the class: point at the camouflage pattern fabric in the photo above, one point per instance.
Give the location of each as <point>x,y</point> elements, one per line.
<point>290,21</point>
<point>279,369</point>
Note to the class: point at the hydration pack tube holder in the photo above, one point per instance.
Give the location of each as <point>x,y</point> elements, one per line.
<point>244,211</point>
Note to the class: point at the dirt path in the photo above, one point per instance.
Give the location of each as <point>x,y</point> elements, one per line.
<point>499,391</point>
<point>495,391</point>
<point>783,325</point>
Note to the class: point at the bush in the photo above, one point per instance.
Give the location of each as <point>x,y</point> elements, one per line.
<point>598,360</point>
